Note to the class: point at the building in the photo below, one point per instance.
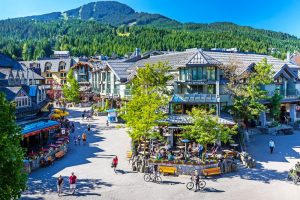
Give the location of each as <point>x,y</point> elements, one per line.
<point>22,86</point>
<point>54,71</point>
<point>199,80</point>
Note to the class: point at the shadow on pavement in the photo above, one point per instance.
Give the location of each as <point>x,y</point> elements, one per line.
<point>172,182</point>
<point>43,180</point>
<point>211,189</point>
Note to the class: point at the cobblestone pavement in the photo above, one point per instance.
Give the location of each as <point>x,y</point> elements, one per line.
<point>96,179</point>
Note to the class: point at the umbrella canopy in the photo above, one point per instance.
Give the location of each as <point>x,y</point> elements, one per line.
<point>185,141</point>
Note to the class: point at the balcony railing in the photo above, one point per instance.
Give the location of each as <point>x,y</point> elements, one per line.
<point>209,98</point>
<point>286,94</point>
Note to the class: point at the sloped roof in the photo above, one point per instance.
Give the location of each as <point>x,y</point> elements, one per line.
<point>120,68</point>
<point>54,63</point>
<point>10,92</point>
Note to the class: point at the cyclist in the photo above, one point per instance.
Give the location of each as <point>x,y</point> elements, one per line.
<point>197,180</point>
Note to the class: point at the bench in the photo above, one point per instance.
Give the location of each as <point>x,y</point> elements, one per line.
<point>129,154</point>
<point>167,170</point>
<point>59,154</point>
<point>211,171</point>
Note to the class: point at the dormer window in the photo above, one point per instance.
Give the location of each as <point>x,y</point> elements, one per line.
<point>62,66</point>
<point>48,66</point>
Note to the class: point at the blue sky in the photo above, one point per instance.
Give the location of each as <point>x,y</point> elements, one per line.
<point>279,15</point>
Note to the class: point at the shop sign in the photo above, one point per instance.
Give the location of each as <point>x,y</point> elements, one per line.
<point>298,108</point>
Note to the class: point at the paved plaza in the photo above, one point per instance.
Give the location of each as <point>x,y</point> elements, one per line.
<point>96,179</point>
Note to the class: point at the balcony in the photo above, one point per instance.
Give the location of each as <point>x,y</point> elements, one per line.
<point>286,94</point>
<point>201,98</point>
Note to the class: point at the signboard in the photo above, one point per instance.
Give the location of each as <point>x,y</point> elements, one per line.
<point>298,108</point>
<point>63,131</point>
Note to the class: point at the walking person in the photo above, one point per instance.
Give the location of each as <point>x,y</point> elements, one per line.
<point>89,128</point>
<point>75,140</point>
<point>200,151</point>
<point>115,163</point>
<point>271,146</point>
<point>78,139</point>
<point>60,181</point>
<point>83,138</point>
<point>107,123</point>
<point>73,127</point>
<point>72,180</point>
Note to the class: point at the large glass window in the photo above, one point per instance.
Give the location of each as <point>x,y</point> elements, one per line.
<point>195,73</point>
<point>211,73</point>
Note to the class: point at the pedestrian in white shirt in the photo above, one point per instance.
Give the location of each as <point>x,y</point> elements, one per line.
<point>271,146</point>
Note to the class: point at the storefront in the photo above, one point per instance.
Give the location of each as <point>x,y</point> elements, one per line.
<point>36,135</point>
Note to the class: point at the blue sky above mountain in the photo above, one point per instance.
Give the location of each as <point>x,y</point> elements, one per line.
<point>275,15</point>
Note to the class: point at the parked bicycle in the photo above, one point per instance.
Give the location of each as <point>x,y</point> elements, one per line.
<point>152,178</point>
<point>190,185</point>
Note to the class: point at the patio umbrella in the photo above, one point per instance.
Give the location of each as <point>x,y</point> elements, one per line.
<point>185,141</point>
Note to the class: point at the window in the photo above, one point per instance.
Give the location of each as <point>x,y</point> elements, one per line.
<point>62,66</point>
<point>62,82</point>
<point>108,76</point>
<point>22,101</point>
<point>211,73</point>
<point>211,89</point>
<point>63,75</point>
<point>183,74</point>
<point>48,66</point>
<point>49,75</point>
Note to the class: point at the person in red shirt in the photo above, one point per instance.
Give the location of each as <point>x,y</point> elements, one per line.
<point>72,180</point>
<point>115,163</point>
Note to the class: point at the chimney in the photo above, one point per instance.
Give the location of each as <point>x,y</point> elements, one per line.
<point>33,81</point>
<point>288,56</point>
<point>27,76</point>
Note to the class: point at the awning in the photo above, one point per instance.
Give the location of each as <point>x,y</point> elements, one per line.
<point>37,127</point>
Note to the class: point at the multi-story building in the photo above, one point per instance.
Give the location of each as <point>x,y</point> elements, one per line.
<point>22,86</point>
<point>54,71</point>
<point>200,81</point>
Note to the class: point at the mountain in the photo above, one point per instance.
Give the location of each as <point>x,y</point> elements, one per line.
<point>109,27</point>
<point>108,12</point>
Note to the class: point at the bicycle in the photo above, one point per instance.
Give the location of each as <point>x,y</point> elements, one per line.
<point>190,185</point>
<point>155,178</point>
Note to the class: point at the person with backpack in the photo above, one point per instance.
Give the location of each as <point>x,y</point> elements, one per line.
<point>115,163</point>
<point>60,182</point>
<point>72,180</point>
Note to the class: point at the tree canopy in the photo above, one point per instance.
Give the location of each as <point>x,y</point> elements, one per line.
<point>206,130</point>
<point>71,89</point>
<point>29,39</point>
<point>148,99</point>
<point>12,175</point>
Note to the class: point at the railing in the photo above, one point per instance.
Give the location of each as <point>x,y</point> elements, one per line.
<point>201,98</point>
<point>286,94</point>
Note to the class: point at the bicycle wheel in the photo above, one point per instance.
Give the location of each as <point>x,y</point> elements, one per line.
<point>158,179</point>
<point>190,185</point>
<point>202,184</point>
<point>147,177</point>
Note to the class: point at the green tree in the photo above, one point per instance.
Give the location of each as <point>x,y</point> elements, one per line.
<point>275,105</point>
<point>12,176</point>
<point>246,90</point>
<point>71,89</point>
<point>206,129</point>
<point>144,110</point>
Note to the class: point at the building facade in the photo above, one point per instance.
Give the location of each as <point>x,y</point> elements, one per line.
<point>54,71</point>
<point>22,86</point>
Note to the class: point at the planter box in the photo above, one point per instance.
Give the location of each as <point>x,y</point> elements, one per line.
<point>185,169</point>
